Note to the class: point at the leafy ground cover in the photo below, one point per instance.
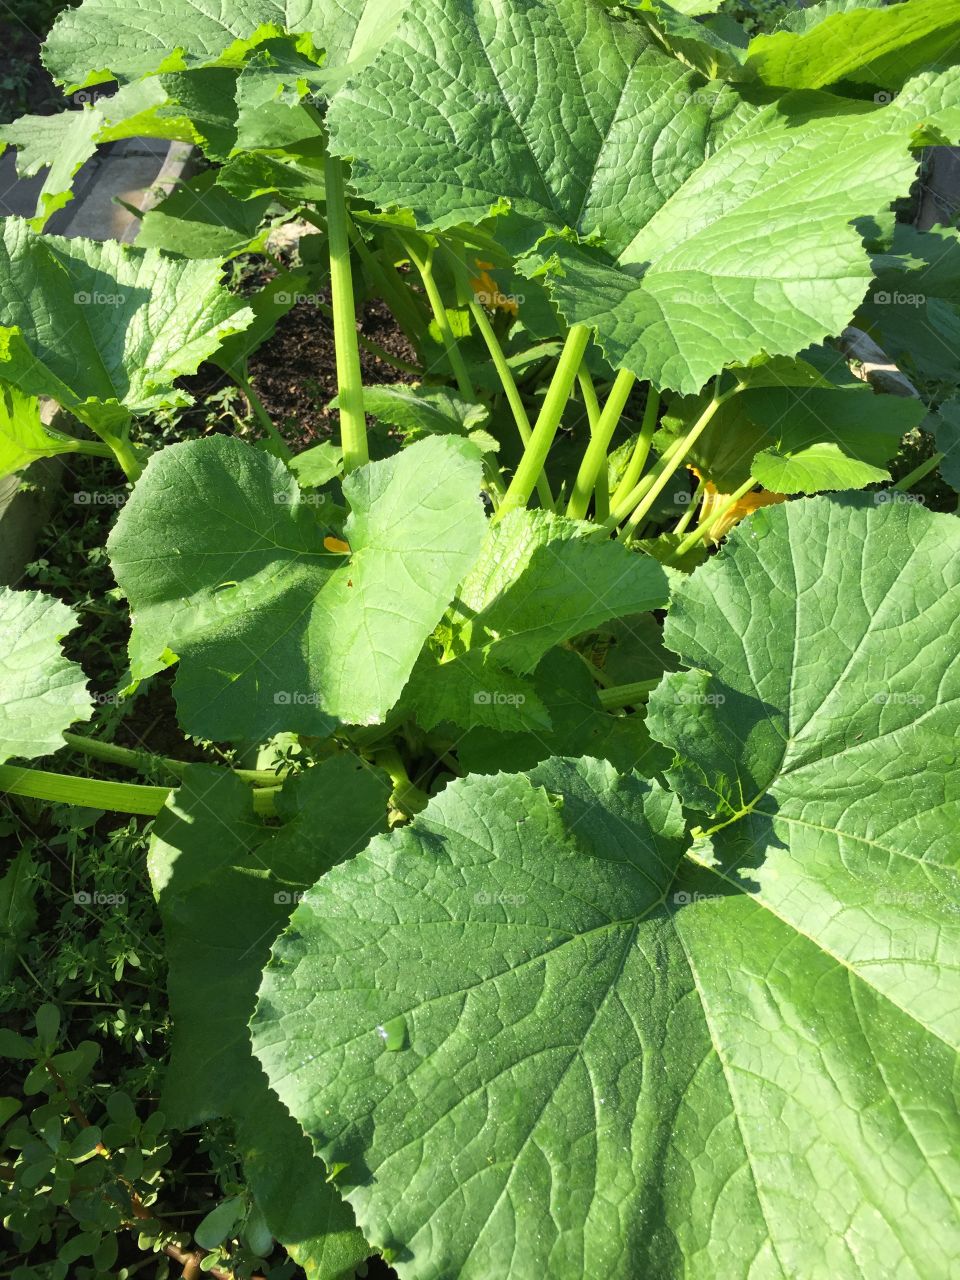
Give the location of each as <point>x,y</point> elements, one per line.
<point>479,743</point>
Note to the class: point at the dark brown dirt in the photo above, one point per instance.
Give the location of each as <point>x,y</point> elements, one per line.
<point>295,375</point>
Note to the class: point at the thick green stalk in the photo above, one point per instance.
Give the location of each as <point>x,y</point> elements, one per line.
<point>94,793</point>
<point>641,452</point>
<point>538,446</point>
<point>96,448</point>
<point>601,490</point>
<point>906,482</point>
<point>353,423</point>
<point>713,519</point>
<point>626,695</point>
<point>668,466</point>
<point>512,393</point>
<point>91,793</point>
<point>130,758</point>
<point>424,266</point>
<point>125,454</point>
<point>595,455</point>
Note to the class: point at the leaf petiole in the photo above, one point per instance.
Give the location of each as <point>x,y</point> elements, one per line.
<point>353,422</point>
<point>538,446</point>
<point>596,452</point>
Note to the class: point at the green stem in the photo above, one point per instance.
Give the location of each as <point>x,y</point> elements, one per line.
<point>406,795</point>
<point>514,399</point>
<point>353,422</point>
<point>601,489</point>
<point>924,469</point>
<point>125,454</point>
<point>538,446</point>
<point>595,456</point>
<point>94,793</point>
<point>133,759</point>
<point>91,793</point>
<point>641,452</point>
<point>424,266</point>
<point>626,695</point>
<point>260,413</point>
<point>684,522</point>
<point>713,519</point>
<point>641,488</point>
<point>668,466</point>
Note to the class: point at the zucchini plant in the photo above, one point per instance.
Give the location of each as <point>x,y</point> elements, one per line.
<point>610,928</point>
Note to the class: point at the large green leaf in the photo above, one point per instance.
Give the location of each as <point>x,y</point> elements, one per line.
<point>41,692</point>
<point>724,223</point>
<point>225,565</point>
<point>211,859</point>
<point>864,42</point>
<point>859,679</point>
<point>126,39</point>
<point>105,329</point>
<point>604,1057</point>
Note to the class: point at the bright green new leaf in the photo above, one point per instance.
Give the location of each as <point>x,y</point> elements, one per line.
<point>646,1063</point>
<point>42,693</point>
<point>203,220</point>
<point>294,175</point>
<point>23,436</point>
<point>105,329</point>
<point>225,564</point>
<point>212,859</point>
<point>317,465</point>
<point>741,244</point>
<point>861,41</point>
<point>692,42</point>
<point>424,409</point>
<point>66,141</point>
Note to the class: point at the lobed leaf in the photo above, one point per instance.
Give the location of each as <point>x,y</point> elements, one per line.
<point>105,329</point>
<point>544,1040</point>
<point>273,630</point>
<point>722,223</point>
